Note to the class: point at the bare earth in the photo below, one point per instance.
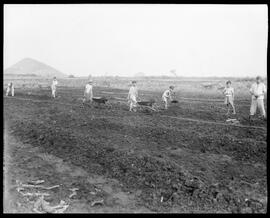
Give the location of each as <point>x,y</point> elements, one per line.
<point>22,162</point>
<point>135,162</point>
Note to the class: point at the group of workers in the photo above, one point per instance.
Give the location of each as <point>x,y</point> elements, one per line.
<point>133,96</point>
<point>257,92</point>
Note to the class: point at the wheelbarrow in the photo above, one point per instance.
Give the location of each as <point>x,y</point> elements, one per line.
<point>100,100</point>
<point>147,104</point>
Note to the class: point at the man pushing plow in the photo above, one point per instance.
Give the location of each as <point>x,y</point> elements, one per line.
<point>88,95</point>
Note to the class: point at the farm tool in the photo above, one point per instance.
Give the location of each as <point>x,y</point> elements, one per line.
<point>99,100</point>
<point>148,105</point>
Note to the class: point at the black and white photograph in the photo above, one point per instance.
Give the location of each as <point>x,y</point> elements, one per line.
<point>135,108</point>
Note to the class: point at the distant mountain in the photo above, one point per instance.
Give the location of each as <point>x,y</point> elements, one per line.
<point>29,66</point>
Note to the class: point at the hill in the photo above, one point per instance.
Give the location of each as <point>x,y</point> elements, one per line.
<point>29,66</point>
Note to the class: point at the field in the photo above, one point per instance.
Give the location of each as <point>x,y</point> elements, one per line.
<point>183,160</point>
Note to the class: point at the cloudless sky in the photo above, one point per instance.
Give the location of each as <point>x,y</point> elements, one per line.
<point>195,40</point>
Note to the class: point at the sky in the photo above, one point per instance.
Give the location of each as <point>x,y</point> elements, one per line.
<point>122,40</point>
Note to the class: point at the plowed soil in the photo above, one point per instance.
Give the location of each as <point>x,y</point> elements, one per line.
<point>166,164</point>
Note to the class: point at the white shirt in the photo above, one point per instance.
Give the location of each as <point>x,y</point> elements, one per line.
<point>167,94</point>
<point>88,88</point>
<point>133,91</point>
<point>258,89</point>
<point>54,84</point>
<point>228,91</point>
<point>11,86</point>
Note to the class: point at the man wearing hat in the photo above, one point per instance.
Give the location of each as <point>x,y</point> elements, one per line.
<point>132,96</point>
<point>257,92</point>
<point>88,92</point>
<point>54,84</point>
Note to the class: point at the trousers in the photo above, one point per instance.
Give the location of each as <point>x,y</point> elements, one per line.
<point>257,103</point>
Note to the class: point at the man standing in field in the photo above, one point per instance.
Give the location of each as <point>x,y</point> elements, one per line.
<point>132,96</point>
<point>88,92</point>
<point>167,95</point>
<point>54,85</point>
<point>257,92</point>
<point>10,88</point>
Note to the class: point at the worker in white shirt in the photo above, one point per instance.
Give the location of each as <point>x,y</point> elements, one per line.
<point>54,85</point>
<point>132,96</point>
<point>257,91</point>
<point>167,95</point>
<point>10,88</point>
<point>229,96</point>
<point>88,92</point>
